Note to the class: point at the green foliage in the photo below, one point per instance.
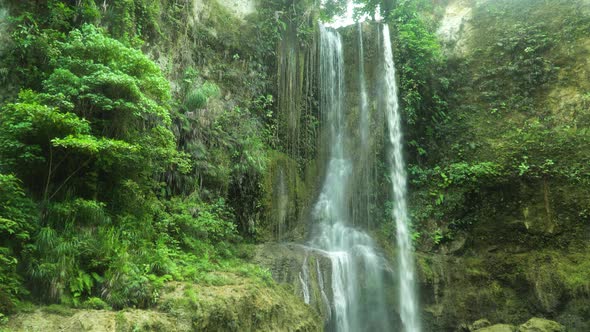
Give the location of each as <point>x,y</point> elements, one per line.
<point>96,304</point>
<point>17,222</point>
<point>263,107</point>
<point>460,173</point>
<point>501,127</point>
<point>519,67</point>
<point>419,61</point>
<point>197,98</point>
<point>90,138</point>
<point>97,136</point>
<point>129,20</point>
<point>539,150</point>
<point>444,192</point>
<point>248,161</point>
<point>332,8</point>
<point>269,25</point>
<point>122,97</point>
<point>192,222</point>
<point>58,267</point>
<point>28,128</point>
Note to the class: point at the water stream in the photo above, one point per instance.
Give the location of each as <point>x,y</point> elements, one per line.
<point>405,268</point>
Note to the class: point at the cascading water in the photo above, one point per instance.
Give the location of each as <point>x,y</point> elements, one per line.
<point>362,209</point>
<point>358,301</point>
<point>407,297</point>
<point>364,123</point>
<point>304,278</point>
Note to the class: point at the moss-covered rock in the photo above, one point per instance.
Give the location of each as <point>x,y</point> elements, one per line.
<point>510,243</point>
<point>497,328</point>
<point>541,325</point>
<point>94,321</point>
<point>241,305</point>
<point>300,267</point>
<point>285,200</point>
<point>229,302</point>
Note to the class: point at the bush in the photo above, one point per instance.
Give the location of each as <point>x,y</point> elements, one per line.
<point>198,98</point>
<point>96,304</point>
<point>17,222</point>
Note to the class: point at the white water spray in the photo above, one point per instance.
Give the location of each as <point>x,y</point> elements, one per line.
<point>407,297</point>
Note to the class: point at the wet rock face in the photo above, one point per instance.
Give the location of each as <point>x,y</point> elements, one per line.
<point>306,271</point>
<point>455,27</point>
<point>286,199</point>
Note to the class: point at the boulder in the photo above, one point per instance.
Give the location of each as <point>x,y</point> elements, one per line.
<point>497,328</point>
<point>541,325</point>
<point>480,324</point>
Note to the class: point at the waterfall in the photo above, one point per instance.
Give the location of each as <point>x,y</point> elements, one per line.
<point>407,296</point>
<point>304,279</point>
<point>357,268</point>
<point>365,162</point>
<point>325,300</point>
<point>364,123</point>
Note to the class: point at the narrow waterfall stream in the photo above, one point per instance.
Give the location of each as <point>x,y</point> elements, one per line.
<point>405,268</point>
<point>363,214</point>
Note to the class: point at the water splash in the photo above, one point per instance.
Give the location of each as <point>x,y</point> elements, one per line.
<point>407,297</point>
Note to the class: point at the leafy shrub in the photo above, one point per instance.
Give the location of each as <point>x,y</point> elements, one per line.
<point>96,304</point>
<point>197,98</point>
<point>192,221</point>
<point>17,222</point>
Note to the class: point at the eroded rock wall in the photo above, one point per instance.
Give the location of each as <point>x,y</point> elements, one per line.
<point>517,245</point>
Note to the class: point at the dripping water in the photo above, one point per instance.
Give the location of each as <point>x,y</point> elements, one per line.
<point>364,123</point>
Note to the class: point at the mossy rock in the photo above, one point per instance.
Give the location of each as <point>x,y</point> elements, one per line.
<point>497,328</point>
<point>94,321</point>
<point>541,325</point>
<point>285,198</point>
<point>286,263</point>
<point>246,305</point>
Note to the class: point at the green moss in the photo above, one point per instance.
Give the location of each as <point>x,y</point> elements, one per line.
<point>245,305</point>
<point>424,265</point>
<point>225,25</point>
<point>285,196</point>
<point>568,270</point>
<point>95,303</point>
